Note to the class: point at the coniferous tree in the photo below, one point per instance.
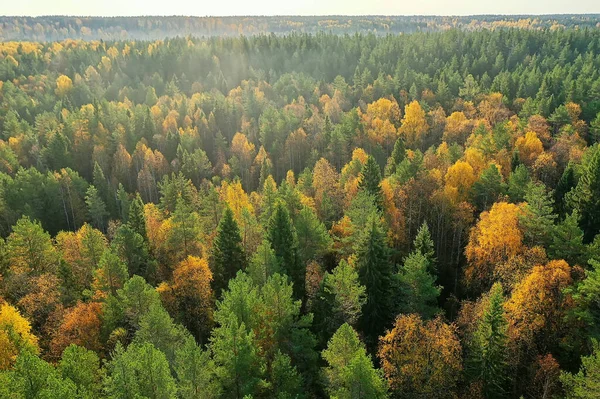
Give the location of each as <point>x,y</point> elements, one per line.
<point>370,180</point>
<point>487,188</point>
<point>538,218</point>
<point>136,218</point>
<point>487,361</point>
<point>375,272</point>
<point>424,245</point>
<point>227,256</point>
<point>586,197</point>
<point>517,183</point>
<point>418,290</point>
<point>282,236</point>
<point>96,208</point>
<point>398,155</point>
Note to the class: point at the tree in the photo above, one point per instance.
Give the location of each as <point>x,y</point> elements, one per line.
<point>423,244</point>
<point>227,255</point>
<point>96,208</point>
<point>80,326</point>
<point>136,219</point>
<point>567,241</point>
<point>184,235</point>
<point>375,272</point>
<point>414,125</point>
<point>30,249</point>
<point>111,274</point>
<point>263,263</point>
<point>586,196</point>
<point>350,373</point>
<point>517,183</point>
<point>64,85</point>
<point>538,218</point>
<point>195,371</point>
<point>239,368</point>
<point>139,371</point>
<point>398,155</point>
<point>421,359</point>
<point>345,296</point>
<point>15,336</point>
<point>487,363</point>
<point>586,383</point>
<point>370,181</point>
<point>190,297</point>
<point>487,249</point>
<point>282,236</point>
<point>313,238</point>
<point>82,367</point>
<point>418,291</point>
<point>486,190</point>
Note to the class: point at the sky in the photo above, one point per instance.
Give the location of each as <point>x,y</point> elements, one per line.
<point>294,7</point>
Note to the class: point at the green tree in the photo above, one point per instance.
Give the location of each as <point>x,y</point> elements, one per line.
<point>350,373</point>
<point>184,237</point>
<point>370,180</point>
<point>239,367</point>
<point>140,371</point>
<point>487,361</point>
<point>517,183</point>
<point>375,272</point>
<point>313,238</point>
<point>82,367</point>
<point>586,196</point>
<point>263,263</point>
<point>227,255</point>
<point>398,155</point>
<point>136,219</point>
<point>96,208</point>
<point>565,185</point>
<point>486,190</point>
<point>111,273</point>
<point>195,371</point>
<point>423,244</point>
<point>419,293</point>
<point>567,241</point>
<point>538,219</point>
<point>282,236</point>
<point>586,383</point>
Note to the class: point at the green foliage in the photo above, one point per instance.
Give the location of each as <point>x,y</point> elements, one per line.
<point>586,196</point>
<point>419,293</point>
<point>350,373</point>
<point>370,180</point>
<point>487,361</point>
<point>141,370</point>
<point>227,256</point>
<point>313,239</point>
<point>586,383</point>
<point>82,367</point>
<point>538,218</point>
<point>282,236</point>
<point>487,188</point>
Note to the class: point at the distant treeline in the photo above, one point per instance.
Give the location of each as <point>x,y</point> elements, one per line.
<point>51,28</point>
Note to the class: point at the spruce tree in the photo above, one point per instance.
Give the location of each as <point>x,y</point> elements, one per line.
<point>96,208</point>
<point>487,188</point>
<point>517,183</point>
<point>487,358</point>
<point>136,218</point>
<point>538,218</point>
<point>398,155</point>
<point>424,245</point>
<point>370,180</point>
<point>586,197</point>
<point>375,273</point>
<point>565,184</point>
<point>227,256</point>
<point>419,292</point>
<point>282,236</point>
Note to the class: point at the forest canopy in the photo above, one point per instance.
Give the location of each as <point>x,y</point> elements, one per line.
<point>300,215</point>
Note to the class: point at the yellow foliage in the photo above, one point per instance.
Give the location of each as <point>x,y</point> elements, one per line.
<point>64,85</point>
<point>15,335</point>
<point>529,147</point>
<point>459,179</point>
<point>414,125</point>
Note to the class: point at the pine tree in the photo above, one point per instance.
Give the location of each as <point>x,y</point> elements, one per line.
<point>567,241</point>
<point>424,245</point>
<point>487,188</point>
<point>375,272</point>
<point>370,180</point>
<point>487,359</point>
<point>282,236</point>
<point>101,184</point>
<point>123,203</point>
<point>586,197</point>
<point>565,184</point>
<point>227,255</point>
<point>96,208</point>
<point>398,155</point>
<point>350,372</point>
<point>517,183</point>
<point>419,292</point>
<point>136,218</point>
<point>239,367</point>
<point>538,218</point>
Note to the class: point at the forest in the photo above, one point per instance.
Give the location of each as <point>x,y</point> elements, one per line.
<point>302,215</point>
<point>53,28</point>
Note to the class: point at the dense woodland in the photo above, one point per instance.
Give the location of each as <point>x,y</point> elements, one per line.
<point>52,28</point>
<point>302,216</point>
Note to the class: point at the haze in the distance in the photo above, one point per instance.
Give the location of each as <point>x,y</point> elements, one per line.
<point>298,7</point>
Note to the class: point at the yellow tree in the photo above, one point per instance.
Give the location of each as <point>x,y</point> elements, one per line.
<point>529,147</point>
<point>494,240</point>
<point>189,297</point>
<point>421,359</point>
<point>64,85</point>
<point>15,335</point>
<point>414,125</point>
<point>459,179</point>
